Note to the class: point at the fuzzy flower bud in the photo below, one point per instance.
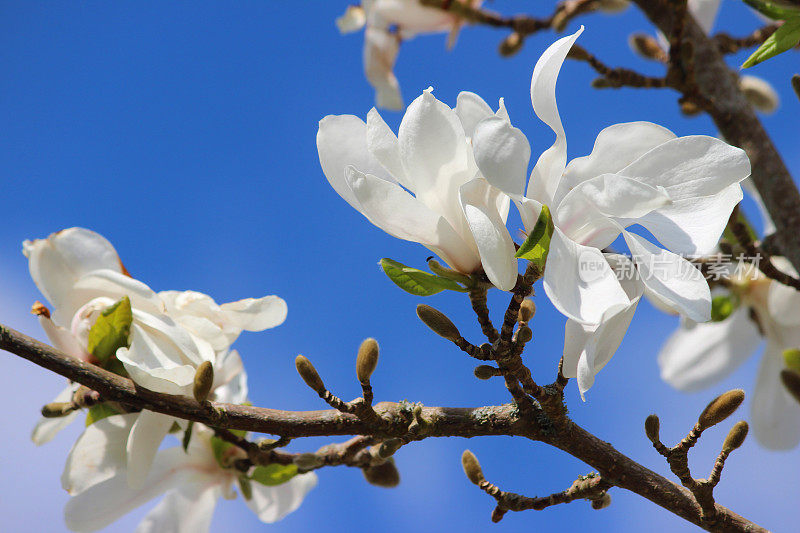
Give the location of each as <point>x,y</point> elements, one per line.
<point>472,468</point>
<point>526,310</point>
<point>367,359</point>
<point>438,322</point>
<point>309,374</point>
<point>720,408</point>
<point>511,44</point>
<point>485,371</point>
<point>647,47</point>
<point>735,436</point>
<point>601,503</point>
<point>203,381</point>
<point>652,428</point>
<point>56,409</point>
<point>382,475</point>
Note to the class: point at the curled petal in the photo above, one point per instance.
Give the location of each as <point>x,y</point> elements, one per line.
<point>256,314</point>
<point>273,503</point>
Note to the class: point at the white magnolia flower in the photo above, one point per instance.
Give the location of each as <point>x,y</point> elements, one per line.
<point>698,355</point>
<point>388,22</point>
<point>431,156</point>
<point>81,275</point>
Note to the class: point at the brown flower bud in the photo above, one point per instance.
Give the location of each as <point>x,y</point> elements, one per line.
<point>57,409</point>
<point>602,502</point>
<point>486,371</point>
<point>651,428</point>
<point>720,408</point>
<point>367,359</point>
<point>472,468</point>
<point>497,514</point>
<point>791,380</point>
<point>526,310</point>
<point>438,322</point>
<point>388,448</point>
<point>382,475</point>
<point>735,436</point>
<point>524,334</point>
<point>309,374</point>
<point>646,47</point>
<point>511,44</point>
<point>203,381</point>
<point>690,109</point>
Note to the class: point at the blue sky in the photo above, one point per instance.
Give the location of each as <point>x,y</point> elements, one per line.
<point>184,132</point>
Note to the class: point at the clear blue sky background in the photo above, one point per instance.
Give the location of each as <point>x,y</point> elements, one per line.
<point>184,132</point>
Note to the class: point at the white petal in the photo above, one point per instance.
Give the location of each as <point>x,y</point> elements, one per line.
<point>47,428</point>
<point>502,153</point>
<point>353,19</point>
<point>146,435</point>
<point>697,357</point>
<point>384,147</point>
<point>775,415</point>
<point>766,218</point>
<point>395,211</point>
<point>155,362</point>
<point>256,314</point>
<point>479,200</point>
<point>380,53</point>
<point>547,172</point>
<point>704,12</point>
<point>784,304</point>
<point>342,141</point>
<point>104,503</point>
<point>672,277</point>
<point>615,147</point>
<point>579,281</point>
<point>115,285</point>
<point>471,109</point>
<point>98,454</point>
<point>185,509</point>
<point>63,339</point>
<point>273,503</point>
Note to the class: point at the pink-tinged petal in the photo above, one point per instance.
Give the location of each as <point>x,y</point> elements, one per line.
<point>502,153</point>
<point>271,504</point>
<point>700,355</point>
<point>47,428</point>
<point>98,454</point>
<point>342,141</point>
<point>384,147</point>
<point>496,248</point>
<point>145,437</point>
<point>775,415</point>
<point>380,53</point>
<point>615,148</point>
<point>551,164</point>
<point>471,109</point>
<point>106,502</point>
<point>62,339</point>
<point>256,314</point>
<point>185,509</point>
<point>399,214</point>
<point>671,277</point>
<point>579,281</point>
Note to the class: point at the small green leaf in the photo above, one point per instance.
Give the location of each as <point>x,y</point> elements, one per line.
<point>417,282</point>
<point>775,9</point>
<point>187,435</point>
<point>723,306</point>
<point>273,474</point>
<point>246,487</point>
<point>111,331</point>
<point>220,446</point>
<point>537,245</point>
<point>784,38</point>
<point>99,412</point>
<point>792,359</point>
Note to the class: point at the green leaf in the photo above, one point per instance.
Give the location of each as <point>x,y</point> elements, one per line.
<point>792,359</point>
<point>220,446</point>
<point>246,487</point>
<point>784,38</point>
<point>111,331</point>
<point>537,245</point>
<point>187,435</point>
<point>417,282</point>
<point>273,474</point>
<point>99,412</point>
<point>775,9</point>
<point>723,306</point>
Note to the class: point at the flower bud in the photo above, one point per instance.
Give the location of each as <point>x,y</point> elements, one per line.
<point>720,408</point>
<point>735,436</point>
<point>388,448</point>
<point>646,47</point>
<point>611,7</point>
<point>497,514</point>
<point>511,44</point>
<point>690,109</point>
<point>57,409</point>
<point>438,322</point>
<point>367,359</point>
<point>759,93</point>
<point>382,475</point>
<point>602,502</point>
<point>791,380</point>
<point>486,372</point>
<point>524,334</point>
<point>601,83</point>
<point>652,428</point>
<point>526,310</point>
<point>472,468</point>
<point>309,374</point>
<point>203,381</point>
<point>308,461</point>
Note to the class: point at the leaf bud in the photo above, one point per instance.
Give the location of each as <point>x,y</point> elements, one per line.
<point>57,409</point>
<point>511,44</point>
<point>720,408</point>
<point>472,468</point>
<point>367,359</point>
<point>651,428</point>
<point>602,502</point>
<point>735,436</point>
<point>438,322</point>
<point>309,374</point>
<point>382,475</point>
<point>791,380</point>
<point>526,310</point>
<point>203,381</point>
<point>486,371</point>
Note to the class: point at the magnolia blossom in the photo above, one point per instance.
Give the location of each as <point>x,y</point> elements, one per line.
<point>388,22</point>
<point>376,172</point>
<point>81,275</point>
<point>698,355</point>
<point>193,480</point>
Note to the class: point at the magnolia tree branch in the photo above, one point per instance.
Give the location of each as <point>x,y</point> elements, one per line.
<point>397,421</point>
